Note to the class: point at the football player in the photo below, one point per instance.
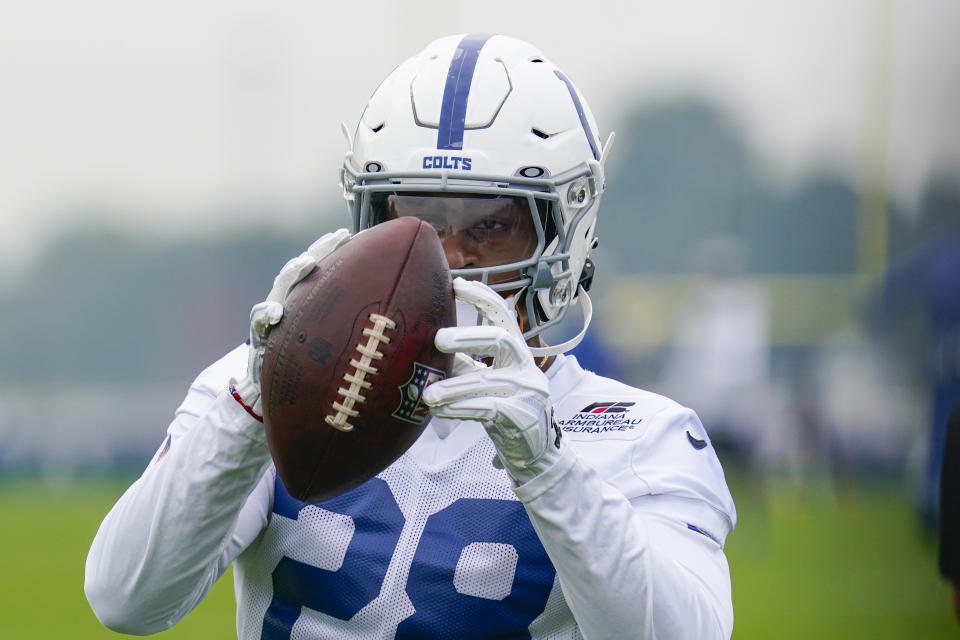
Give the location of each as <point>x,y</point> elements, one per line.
<point>542,500</point>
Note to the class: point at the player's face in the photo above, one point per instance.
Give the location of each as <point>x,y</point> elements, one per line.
<point>476,231</point>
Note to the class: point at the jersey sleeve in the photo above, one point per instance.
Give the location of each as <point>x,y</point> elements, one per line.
<point>202,499</point>
<point>634,516</point>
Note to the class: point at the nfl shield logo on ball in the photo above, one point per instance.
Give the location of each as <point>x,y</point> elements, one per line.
<point>411,409</point>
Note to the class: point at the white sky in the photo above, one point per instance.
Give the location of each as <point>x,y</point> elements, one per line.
<point>188,116</point>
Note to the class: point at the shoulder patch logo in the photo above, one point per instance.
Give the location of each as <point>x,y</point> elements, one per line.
<point>410,408</point>
<point>601,418</point>
<point>607,407</point>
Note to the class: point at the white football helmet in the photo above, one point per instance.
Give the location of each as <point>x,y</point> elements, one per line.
<point>490,116</point>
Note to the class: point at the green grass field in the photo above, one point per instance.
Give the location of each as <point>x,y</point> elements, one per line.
<point>805,564</point>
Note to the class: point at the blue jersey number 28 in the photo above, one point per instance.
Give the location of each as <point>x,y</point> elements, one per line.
<point>441,609</point>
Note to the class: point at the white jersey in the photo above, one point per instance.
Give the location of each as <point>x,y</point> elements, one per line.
<point>621,538</point>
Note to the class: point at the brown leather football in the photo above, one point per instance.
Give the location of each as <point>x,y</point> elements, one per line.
<point>344,369</point>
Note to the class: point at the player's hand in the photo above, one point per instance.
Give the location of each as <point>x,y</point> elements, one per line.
<point>511,397</point>
<point>266,314</point>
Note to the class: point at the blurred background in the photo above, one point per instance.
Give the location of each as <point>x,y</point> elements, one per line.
<point>779,249</point>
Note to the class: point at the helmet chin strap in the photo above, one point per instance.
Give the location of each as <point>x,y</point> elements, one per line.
<point>469,315</point>
<point>586,307</point>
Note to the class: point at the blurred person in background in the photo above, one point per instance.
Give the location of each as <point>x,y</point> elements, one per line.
<point>916,314</point>
<point>719,356</point>
<point>541,501</point>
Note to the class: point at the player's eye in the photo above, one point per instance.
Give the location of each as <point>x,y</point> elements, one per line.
<point>489,229</point>
<point>495,224</point>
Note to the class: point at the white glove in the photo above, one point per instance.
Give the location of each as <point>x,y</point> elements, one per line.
<point>511,398</point>
<point>266,314</point>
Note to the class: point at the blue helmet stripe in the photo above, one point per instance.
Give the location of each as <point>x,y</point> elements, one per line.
<point>580,112</point>
<point>453,111</point>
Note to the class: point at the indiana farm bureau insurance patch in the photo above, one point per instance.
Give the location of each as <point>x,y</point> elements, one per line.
<point>601,418</point>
